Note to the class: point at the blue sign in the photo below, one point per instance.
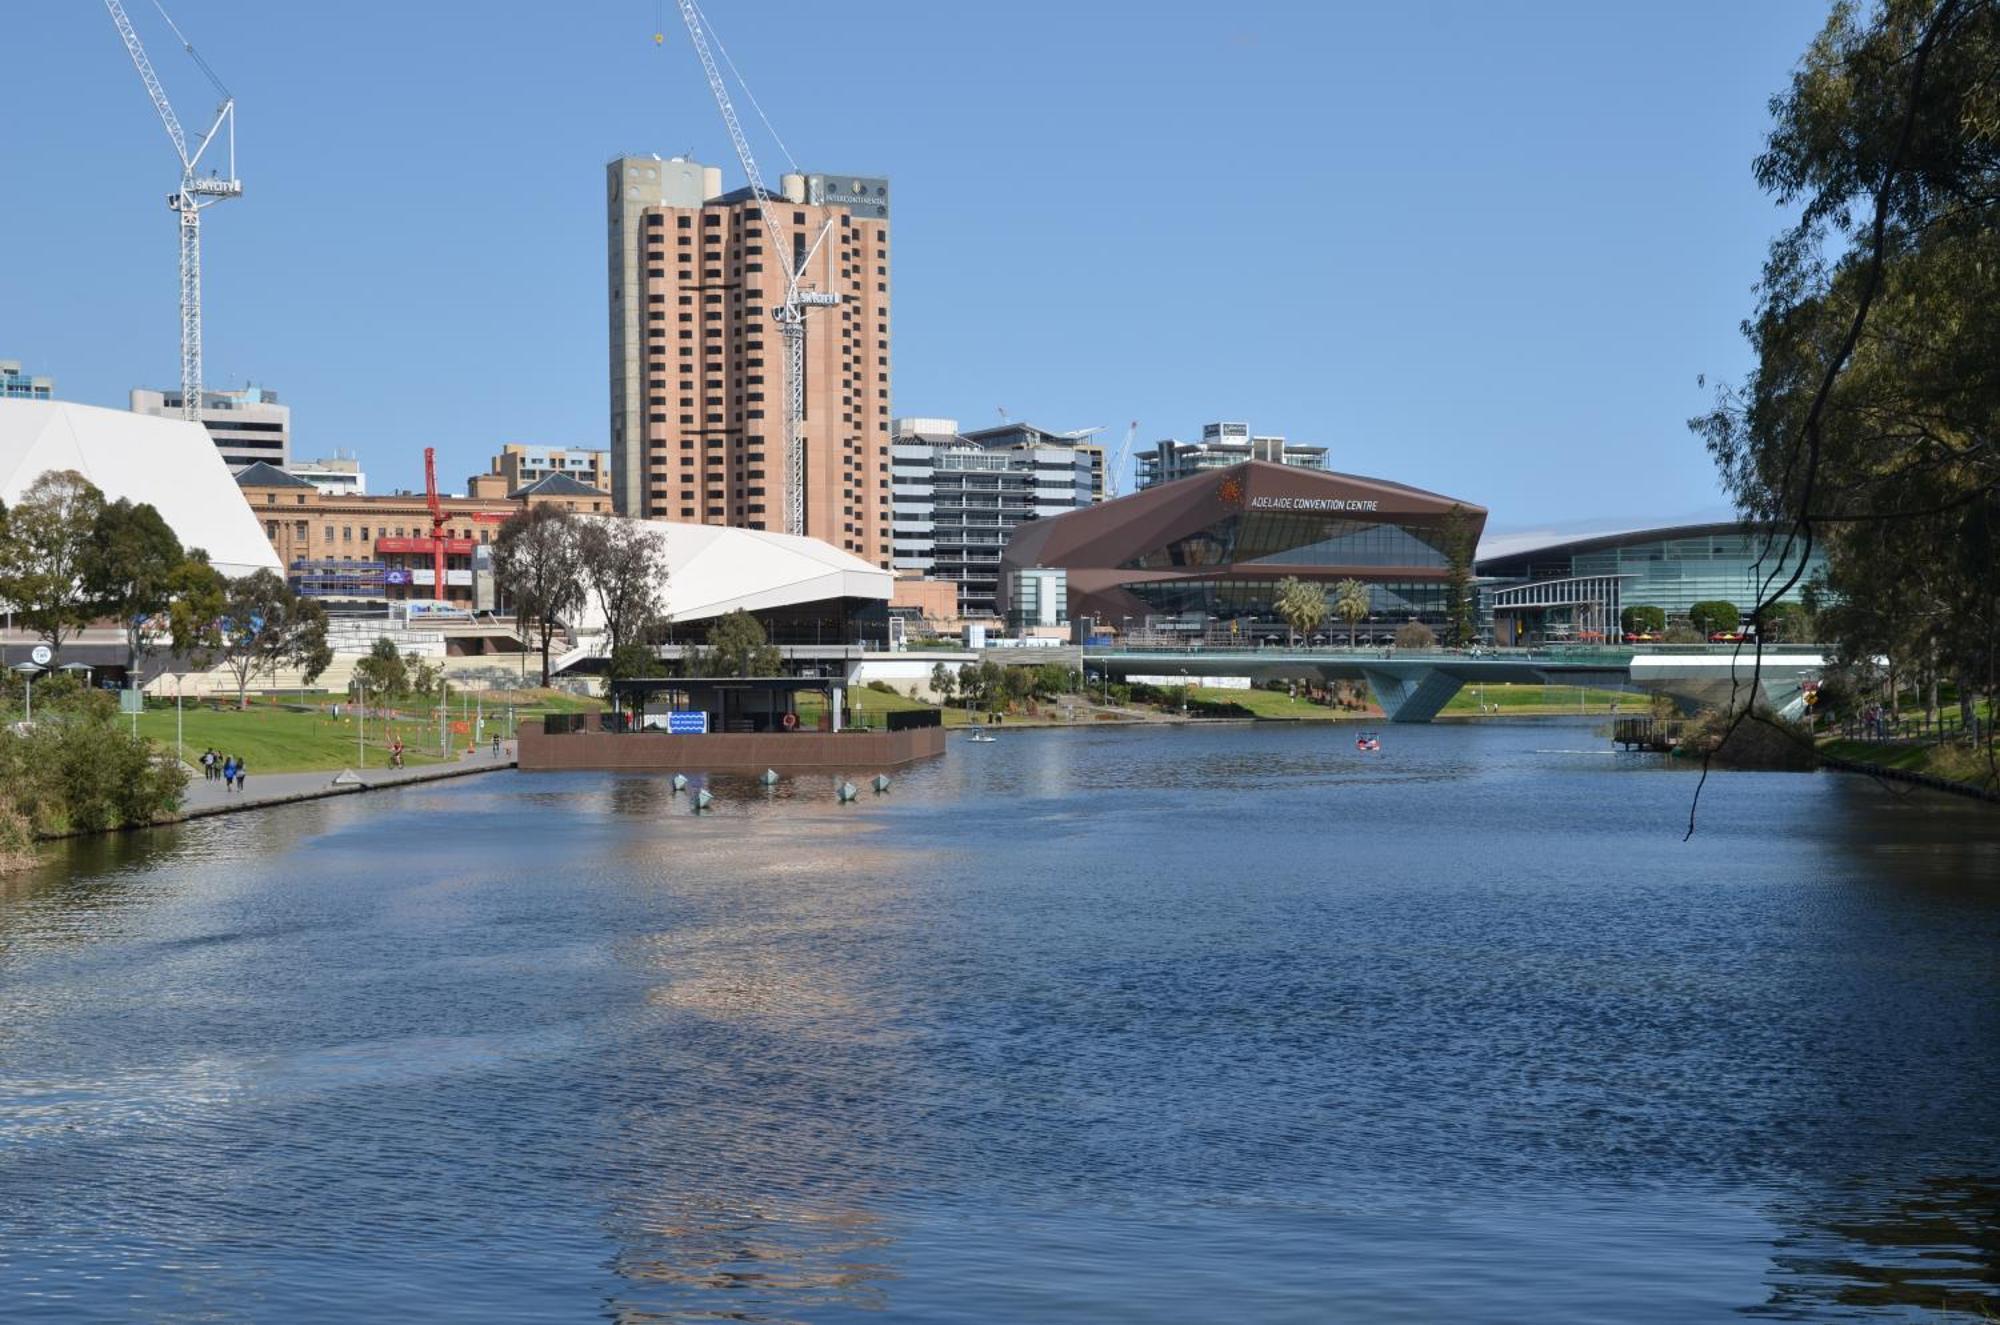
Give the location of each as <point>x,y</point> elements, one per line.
<point>687,724</point>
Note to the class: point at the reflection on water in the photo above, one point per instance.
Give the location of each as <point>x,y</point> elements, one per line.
<point>1215,1023</point>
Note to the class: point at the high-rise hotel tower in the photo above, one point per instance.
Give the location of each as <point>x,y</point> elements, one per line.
<point>698,364</point>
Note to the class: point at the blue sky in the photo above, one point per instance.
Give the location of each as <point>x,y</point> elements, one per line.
<point>1481,248</point>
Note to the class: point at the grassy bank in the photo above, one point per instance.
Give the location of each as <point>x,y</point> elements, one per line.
<point>1966,765</point>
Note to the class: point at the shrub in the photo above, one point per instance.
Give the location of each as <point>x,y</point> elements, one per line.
<point>1715,614</point>
<point>1415,635</point>
<point>881,687</point>
<point>80,771</point>
<point>1643,620</point>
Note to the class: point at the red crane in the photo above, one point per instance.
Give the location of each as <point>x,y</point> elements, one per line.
<point>437,522</point>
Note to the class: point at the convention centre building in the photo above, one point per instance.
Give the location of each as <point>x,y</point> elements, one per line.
<point>1213,547</point>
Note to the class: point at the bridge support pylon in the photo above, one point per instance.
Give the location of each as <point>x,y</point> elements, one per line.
<point>1414,696</point>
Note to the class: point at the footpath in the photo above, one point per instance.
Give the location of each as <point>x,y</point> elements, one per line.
<point>204,798</point>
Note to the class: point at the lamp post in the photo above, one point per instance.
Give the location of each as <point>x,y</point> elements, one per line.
<point>360,717</point>
<point>1184,692</point>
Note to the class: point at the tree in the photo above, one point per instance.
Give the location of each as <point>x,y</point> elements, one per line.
<point>538,566</point>
<point>47,547</point>
<point>1415,635</point>
<point>625,565</point>
<point>630,659</point>
<point>1867,427</point>
<point>944,681</point>
<point>1642,620</point>
<point>1052,679</point>
<point>264,626</point>
<point>1016,684</point>
<point>737,646</point>
<point>383,672</point>
<point>1715,615</point>
<point>1461,610</point>
<point>1302,604</point>
<point>197,597</point>
<point>1351,601</point>
<point>128,571</point>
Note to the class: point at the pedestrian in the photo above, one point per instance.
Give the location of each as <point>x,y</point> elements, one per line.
<point>496,745</point>
<point>208,765</point>
<point>229,773</point>
<point>242,771</point>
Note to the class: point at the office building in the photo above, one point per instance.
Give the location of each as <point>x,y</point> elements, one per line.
<point>698,379</point>
<point>247,426</point>
<point>1215,546</point>
<point>1539,588</point>
<point>519,466</point>
<point>1221,445</point>
<point>958,496</point>
<point>334,473</point>
<point>14,385</point>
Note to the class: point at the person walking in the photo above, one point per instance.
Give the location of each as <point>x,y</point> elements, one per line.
<point>496,745</point>
<point>229,773</point>
<point>208,764</point>
<point>242,771</point>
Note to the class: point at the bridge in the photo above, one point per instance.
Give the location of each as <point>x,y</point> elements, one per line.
<point>1412,685</point>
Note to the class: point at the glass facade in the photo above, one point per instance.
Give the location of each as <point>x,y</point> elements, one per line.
<point>1671,569</point>
<point>1394,601</point>
<point>1275,538</point>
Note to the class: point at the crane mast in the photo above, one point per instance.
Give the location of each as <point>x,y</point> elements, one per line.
<point>194,195</point>
<point>790,314</point>
<point>1118,461</point>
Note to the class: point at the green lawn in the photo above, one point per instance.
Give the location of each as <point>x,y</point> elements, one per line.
<point>1534,699</point>
<point>276,740</point>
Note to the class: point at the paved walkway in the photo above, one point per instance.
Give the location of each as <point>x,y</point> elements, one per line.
<point>205,798</point>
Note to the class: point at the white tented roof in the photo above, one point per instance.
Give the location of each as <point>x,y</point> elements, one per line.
<point>714,569</point>
<point>169,463</point>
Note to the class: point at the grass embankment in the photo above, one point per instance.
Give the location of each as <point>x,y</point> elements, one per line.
<point>1950,762</point>
<point>1493,701</point>
<point>285,737</point>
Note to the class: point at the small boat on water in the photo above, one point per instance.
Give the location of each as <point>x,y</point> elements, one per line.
<point>983,737</point>
<point>1368,743</point>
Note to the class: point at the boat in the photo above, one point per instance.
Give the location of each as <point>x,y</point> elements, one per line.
<point>983,737</point>
<point>1368,742</point>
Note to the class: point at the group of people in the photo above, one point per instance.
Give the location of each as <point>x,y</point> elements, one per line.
<point>229,769</point>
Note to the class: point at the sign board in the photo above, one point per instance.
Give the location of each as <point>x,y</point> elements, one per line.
<point>1311,504</point>
<point>41,656</point>
<point>456,547</point>
<point>687,724</point>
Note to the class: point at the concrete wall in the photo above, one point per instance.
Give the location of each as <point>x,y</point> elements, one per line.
<point>857,753</point>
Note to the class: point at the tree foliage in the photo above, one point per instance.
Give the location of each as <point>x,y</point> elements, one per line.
<point>1302,604</point>
<point>944,681</point>
<point>264,626</point>
<point>78,769</point>
<point>625,566</point>
<point>1461,607</point>
<point>1643,619</point>
<point>538,566</point>
<point>46,552</point>
<point>737,646</point>
<point>129,570</point>
<point>383,673</point>
<point>1352,604</point>
<point>1715,614</point>
<point>1870,426</point>
<point>1415,635</point>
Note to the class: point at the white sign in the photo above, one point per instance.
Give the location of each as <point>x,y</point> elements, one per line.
<point>1310,504</point>
<point>41,655</point>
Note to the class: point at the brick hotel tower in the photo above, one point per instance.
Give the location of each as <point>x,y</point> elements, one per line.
<point>697,364</point>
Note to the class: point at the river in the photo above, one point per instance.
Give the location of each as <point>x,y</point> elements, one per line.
<point>1220,1023</point>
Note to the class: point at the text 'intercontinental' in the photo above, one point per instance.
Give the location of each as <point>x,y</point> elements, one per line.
<point>1310,504</point>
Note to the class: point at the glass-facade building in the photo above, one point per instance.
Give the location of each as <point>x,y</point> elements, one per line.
<point>1577,588</point>
<point>1217,545</point>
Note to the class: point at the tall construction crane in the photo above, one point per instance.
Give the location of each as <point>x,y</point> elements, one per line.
<point>1118,461</point>
<point>790,313</point>
<point>195,194</point>
<point>436,506</point>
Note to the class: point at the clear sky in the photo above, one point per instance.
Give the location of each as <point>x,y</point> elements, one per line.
<point>1483,248</point>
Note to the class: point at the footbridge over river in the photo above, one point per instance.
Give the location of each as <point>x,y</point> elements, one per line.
<point>1412,685</point>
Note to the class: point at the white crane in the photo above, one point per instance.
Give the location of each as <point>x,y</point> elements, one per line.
<point>791,313</point>
<point>1118,462</point>
<point>195,194</point>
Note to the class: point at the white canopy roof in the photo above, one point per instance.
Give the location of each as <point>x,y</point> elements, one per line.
<point>713,570</point>
<point>169,463</point>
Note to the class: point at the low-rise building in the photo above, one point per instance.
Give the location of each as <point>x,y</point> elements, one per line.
<point>335,473</point>
<point>519,465</point>
<point>1221,445</point>
<point>15,385</point>
<point>355,548</point>
<point>247,426</point>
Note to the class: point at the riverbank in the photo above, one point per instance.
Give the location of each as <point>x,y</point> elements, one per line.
<point>1956,770</point>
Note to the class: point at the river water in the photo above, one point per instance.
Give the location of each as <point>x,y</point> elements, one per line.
<point>1225,1023</point>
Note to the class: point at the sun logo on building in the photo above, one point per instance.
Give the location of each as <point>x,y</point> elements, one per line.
<point>1231,492</point>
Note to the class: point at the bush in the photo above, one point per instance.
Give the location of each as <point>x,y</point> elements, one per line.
<point>881,687</point>
<point>81,771</point>
<point>1643,620</point>
<point>1761,741</point>
<point>17,840</point>
<point>1415,635</point>
<point>1715,614</point>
